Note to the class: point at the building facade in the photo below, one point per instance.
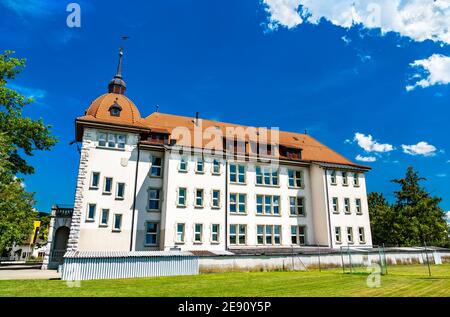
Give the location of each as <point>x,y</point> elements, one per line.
<point>164,181</point>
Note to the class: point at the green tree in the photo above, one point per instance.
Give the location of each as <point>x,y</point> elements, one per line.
<point>20,137</point>
<point>414,219</point>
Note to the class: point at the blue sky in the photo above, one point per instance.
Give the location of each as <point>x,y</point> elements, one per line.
<point>244,62</point>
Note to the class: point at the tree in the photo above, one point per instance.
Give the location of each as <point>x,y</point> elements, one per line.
<point>19,137</point>
<point>414,219</point>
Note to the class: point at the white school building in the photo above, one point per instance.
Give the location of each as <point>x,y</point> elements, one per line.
<point>164,182</point>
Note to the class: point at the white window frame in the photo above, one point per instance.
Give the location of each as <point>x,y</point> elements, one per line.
<point>177,232</point>
<point>198,241</point>
<point>333,178</point>
<point>238,204</point>
<point>347,206</point>
<point>88,218</point>
<point>238,235</point>
<point>297,206</point>
<point>356,180</point>
<point>271,205</point>
<point>358,206</point>
<point>105,192</point>
<point>338,234</point>
<point>335,204</point>
<point>344,178</point>
<point>178,197</point>
<point>262,174</point>
<point>268,231</point>
<point>147,233</point>
<point>159,199</point>
<point>158,167</point>
<point>184,160</point>
<point>295,179</point>
<point>114,228</point>
<point>201,161</point>
<point>111,140</point>
<point>297,235</point>
<point>237,174</point>
<point>197,190</point>
<point>91,186</point>
<point>215,233</point>
<point>213,164</point>
<point>349,233</point>
<point>117,191</point>
<point>101,223</point>
<point>218,200</point>
<point>361,234</point>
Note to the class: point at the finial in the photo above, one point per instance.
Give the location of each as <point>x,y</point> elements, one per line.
<point>117,85</point>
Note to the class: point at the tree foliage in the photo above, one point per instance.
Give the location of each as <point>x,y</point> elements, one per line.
<point>20,137</point>
<point>414,219</point>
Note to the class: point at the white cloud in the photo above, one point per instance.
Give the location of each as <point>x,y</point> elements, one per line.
<point>442,175</point>
<point>448,216</point>
<point>367,159</point>
<point>437,69</point>
<point>421,148</point>
<point>35,93</point>
<point>370,145</point>
<point>417,19</point>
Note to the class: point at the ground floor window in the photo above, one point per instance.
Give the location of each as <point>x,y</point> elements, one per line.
<point>180,232</point>
<point>198,232</point>
<point>117,222</point>
<point>215,233</point>
<point>361,234</point>
<point>268,234</point>
<point>151,233</point>
<point>298,235</point>
<point>238,234</point>
<point>337,234</point>
<point>105,217</point>
<point>349,234</point>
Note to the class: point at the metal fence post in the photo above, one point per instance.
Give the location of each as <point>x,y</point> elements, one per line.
<point>428,261</point>
<point>320,269</point>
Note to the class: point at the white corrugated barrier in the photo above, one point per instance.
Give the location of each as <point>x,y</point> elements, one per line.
<point>92,265</point>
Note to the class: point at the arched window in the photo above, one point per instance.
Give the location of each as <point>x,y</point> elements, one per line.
<point>115,110</point>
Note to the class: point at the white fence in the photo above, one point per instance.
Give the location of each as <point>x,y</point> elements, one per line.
<point>80,266</point>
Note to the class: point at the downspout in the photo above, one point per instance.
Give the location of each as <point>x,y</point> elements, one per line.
<point>226,204</point>
<point>134,194</point>
<point>328,208</point>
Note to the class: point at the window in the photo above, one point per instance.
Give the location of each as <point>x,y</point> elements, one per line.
<point>180,232</point>
<point>267,205</point>
<point>297,206</point>
<point>156,169</point>
<point>154,199</point>
<point>91,212</point>
<point>199,198</point>
<point>181,200</point>
<point>108,185</point>
<point>266,176</point>
<point>337,234</point>
<point>349,234</point>
<point>215,233</point>
<point>237,173</point>
<point>361,234</point>
<point>347,205</point>
<point>356,180</point>
<point>268,234</point>
<point>198,232</point>
<point>115,110</point>
<point>216,167</point>
<point>238,203</point>
<point>345,178</point>
<point>112,140</point>
<point>200,167</point>
<point>95,179</point>
<point>151,233</point>
<point>335,205</point>
<point>238,234</point>
<point>120,192</point>
<point>358,206</point>
<point>182,167</point>
<point>104,218</point>
<point>295,178</point>
<point>298,235</point>
<point>215,203</point>
<point>333,178</point>
<point>121,138</point>
<point>102,139</point>
<point>117,222</point>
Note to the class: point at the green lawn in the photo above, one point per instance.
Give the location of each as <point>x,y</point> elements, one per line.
<point>401,281</point>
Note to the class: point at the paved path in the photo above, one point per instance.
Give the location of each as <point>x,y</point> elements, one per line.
<point>29,274</point>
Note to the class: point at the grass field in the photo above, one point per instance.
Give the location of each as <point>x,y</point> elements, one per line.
<point>410,280</point>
